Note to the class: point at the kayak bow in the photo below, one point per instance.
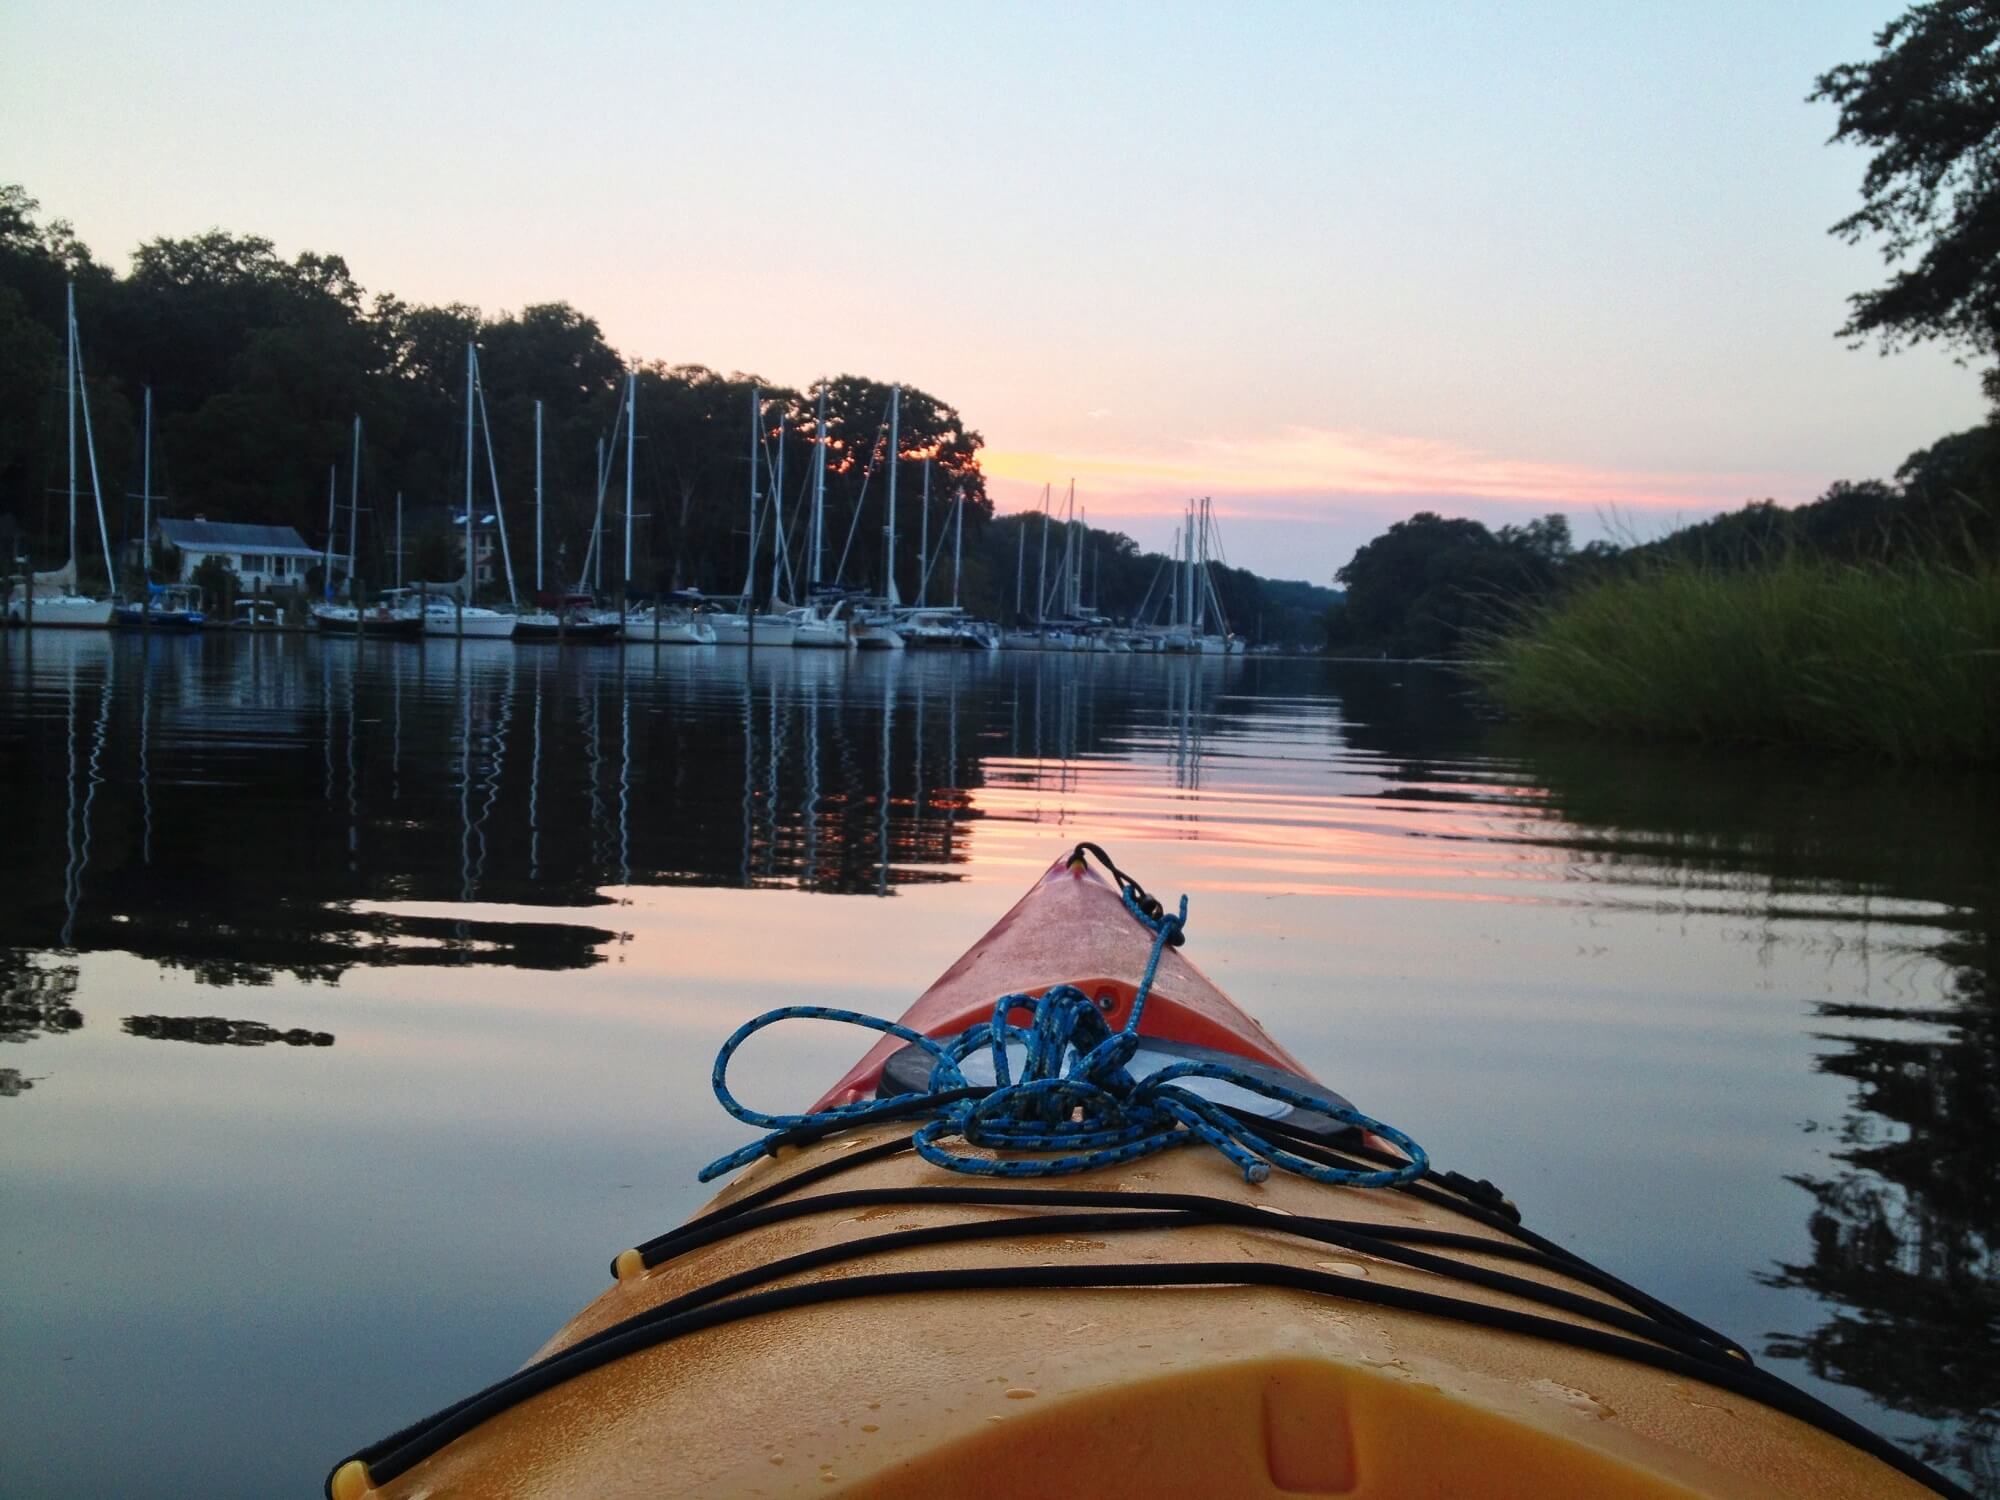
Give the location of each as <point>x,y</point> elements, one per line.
<point>1037,1290</point>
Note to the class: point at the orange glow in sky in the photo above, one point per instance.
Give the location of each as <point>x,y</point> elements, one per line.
<point>1297,470</point>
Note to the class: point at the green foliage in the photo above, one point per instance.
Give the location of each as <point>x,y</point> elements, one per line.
<point>219,586</point>
<point>1901,661</point>
<point>166,563</point>
<point>1928,107</point>
<point>1426,584</point>
<point>260,363</point>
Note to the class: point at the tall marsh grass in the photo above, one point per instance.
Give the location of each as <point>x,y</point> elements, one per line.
<point>1898,661</point>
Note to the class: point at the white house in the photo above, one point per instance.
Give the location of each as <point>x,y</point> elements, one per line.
<point>268,557</point>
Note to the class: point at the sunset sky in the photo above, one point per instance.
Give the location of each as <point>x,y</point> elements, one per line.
<point>1328,263</point>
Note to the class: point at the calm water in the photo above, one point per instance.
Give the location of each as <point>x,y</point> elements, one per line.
<point>362,998</point>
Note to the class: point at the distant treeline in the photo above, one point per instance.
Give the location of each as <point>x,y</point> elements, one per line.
<point>1437,586</point>
<point>259,364</point>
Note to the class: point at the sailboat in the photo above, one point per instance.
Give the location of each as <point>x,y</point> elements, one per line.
<point>52,598</point>
<point>655,624</point>
<point>874,623</point>
<point>822,623</point>
<point>744,626</point>
<point>394,615</point>
<point>1201,588</point>
<point>161,606</point>
<point>463,619</point>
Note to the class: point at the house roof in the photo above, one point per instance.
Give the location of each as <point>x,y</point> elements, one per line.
<point>234,536</point>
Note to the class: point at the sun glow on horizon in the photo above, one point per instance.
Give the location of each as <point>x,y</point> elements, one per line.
<point>1284,472</point>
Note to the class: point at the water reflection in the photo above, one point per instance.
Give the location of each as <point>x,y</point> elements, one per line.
<point>295,814</point>
<point>216,1031</point>
<point>1904,1263</point>
<point>247,808</point>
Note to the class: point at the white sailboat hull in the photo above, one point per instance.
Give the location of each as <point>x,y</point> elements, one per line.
<point>736,630</point>
<point>70,611</point>
<point>870,637</point>
<point>826,635</point>
<point>477,624</point>
<point>647,631</point>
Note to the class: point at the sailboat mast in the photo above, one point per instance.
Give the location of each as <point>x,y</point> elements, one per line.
<point>96,485</point>
<point>750,572</point>
<point>1020,565</point>
<point>538,497</point>
<point>399,539</point>
<point>819,489</point>
<point>1042,567</point>
<point>326,568</point>
<point>924,542</point>
<point>354,510</point>
<point>146,499</point>
<point>1196,603</point>
<point>631,441</point>
<point>957,544</point>
<point>1069,553</point>
<point>466,593</point>
<point>77,394</point>
<point>499,513</point>
<point>895,427</point>
<point>1076,567</point>
<point>591,559</point>
<point>778,511</point>
<point>69,354</point>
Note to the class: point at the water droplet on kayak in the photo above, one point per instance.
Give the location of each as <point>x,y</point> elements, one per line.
<point>1686,1395</point>
<point>1020,1393</point>
<point>777,1461</point>
<point>1581,1402</point>
<point>1342,1267</point>
<point>870,1427</point>
<point>874,1405</point>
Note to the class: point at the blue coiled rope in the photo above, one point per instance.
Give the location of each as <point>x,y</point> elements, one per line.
<point>1075,1095</point>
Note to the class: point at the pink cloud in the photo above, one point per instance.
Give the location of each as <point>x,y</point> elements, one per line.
<point>1296,471</point>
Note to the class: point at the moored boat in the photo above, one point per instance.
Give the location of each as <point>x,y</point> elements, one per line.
<point>58,609</point>
<point>661,626</point>
<point>472,622</point>
<point>738,628</point>
<point>822,627</point>
<point>167,606</point>
<point>873,628</point>
<point>565,618</point>
<point>978,1265</point>
<point>55,597</point>
<point>395,621</point>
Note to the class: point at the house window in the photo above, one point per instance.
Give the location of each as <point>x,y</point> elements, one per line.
<point>253,562</point>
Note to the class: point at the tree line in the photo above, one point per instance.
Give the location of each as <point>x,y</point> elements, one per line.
<point>258,365</point>
<point>1927,108</point>
<point>1437,586</point>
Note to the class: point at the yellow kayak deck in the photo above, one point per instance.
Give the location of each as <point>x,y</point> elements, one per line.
<point>1202,1389</point>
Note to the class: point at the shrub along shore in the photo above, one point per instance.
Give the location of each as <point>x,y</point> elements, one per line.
<point>1897,660</point>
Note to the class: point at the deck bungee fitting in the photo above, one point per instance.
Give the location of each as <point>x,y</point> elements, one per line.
<point>1130,1248</point>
